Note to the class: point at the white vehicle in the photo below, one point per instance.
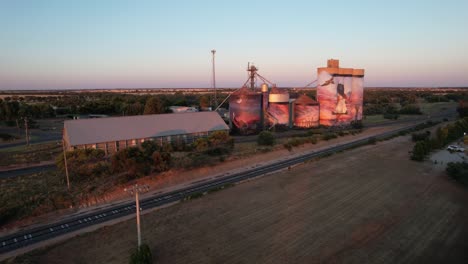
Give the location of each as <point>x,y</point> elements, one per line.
<point>455,148</point>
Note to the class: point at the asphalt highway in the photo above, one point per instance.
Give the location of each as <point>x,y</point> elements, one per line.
<point>31,236</point>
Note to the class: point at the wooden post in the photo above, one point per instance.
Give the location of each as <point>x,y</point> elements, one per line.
<point>66,167</point>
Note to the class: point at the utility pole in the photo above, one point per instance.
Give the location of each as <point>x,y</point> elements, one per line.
<point>66,166</point>
<point>214,80</point>
<point>137,189</point>
<point>27,130</point>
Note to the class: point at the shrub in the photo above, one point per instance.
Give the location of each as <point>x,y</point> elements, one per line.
<point>458,171</point>
<point>266,138</point>
<point>390,116</point>
<point>142,255</point>
<point>313,140</point>
<point>201,144</point>
<point>329,136</point>
<point>131,160</point>
<point>421,149</point>
<point>357,124</point>
<point>161,161</point>
<point>83,163</point>
<point>149,147</point>
<point>420,136</point>
<point>410,110</point>
<point>220,138</point>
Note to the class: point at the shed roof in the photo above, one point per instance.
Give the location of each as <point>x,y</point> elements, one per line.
<point>91,131</point>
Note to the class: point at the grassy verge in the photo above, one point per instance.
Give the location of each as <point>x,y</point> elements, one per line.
<point>35,153</point>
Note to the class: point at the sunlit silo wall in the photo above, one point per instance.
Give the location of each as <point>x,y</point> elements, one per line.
<point>278,107</point>
<point>357,94</point>
<point>340,94</point>
<point>245,111</point>
<point>306,112</point>
<point>279,113</point>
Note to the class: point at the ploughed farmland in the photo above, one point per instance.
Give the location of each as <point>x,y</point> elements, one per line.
<point>367,205</point>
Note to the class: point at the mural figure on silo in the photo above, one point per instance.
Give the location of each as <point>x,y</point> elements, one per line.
<point>340,94</point>
<point>340,100</point>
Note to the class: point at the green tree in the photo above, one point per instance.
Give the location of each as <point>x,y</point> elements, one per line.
<point>161,161</point>
<point>458,171</point>
<point>154,105</point>
<point>83,163</point>
<point>132,161</point>
<point>220,138</point>
<point>204,101</point>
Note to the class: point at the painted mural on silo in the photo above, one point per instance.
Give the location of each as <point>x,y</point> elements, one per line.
<point>306,112</point>
<point>279,113</point>
<point>357,95</point>
<point>278,106</point>
<point>340,95</point>
<point>327,98</point>
<point>245,111</point>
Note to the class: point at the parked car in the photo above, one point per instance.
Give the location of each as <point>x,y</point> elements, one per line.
<point>455,148</point>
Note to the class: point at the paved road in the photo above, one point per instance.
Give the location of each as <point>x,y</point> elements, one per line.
<point>26,171</point>
<point>35,235</point>
<point>46,138</point>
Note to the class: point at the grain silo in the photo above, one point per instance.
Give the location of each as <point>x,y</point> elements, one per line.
<point>339,93</point>
<point>306,112</point>
<point>245,111</point>
<point>278,107</point>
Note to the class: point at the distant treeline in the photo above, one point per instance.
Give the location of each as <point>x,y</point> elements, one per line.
<point>376,101</point>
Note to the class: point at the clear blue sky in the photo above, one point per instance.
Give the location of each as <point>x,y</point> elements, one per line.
<point>142,44</point>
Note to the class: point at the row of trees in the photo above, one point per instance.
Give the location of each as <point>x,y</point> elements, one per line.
<point>392,110</point>
<point>135,162</point>
<point>16,110</point>
<point>97,103</point>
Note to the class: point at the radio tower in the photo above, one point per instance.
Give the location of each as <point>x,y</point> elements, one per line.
<point>214,81</point>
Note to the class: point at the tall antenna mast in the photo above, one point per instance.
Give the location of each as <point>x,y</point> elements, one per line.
<point>214,80</point>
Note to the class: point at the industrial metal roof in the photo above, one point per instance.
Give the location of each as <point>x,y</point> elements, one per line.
<point>91,131</point>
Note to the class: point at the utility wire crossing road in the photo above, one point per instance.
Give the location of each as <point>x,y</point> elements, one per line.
<point>35,235</point>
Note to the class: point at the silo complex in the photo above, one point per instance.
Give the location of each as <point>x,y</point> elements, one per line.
<point>339,101</point>
<point>340,94</point>
<point>306,112</point>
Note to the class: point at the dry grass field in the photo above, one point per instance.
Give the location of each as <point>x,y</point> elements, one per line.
<point>367,205</point>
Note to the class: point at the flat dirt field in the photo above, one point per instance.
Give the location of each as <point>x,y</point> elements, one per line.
<point>367,205</point>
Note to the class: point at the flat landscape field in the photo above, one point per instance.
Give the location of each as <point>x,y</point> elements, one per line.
<point>367,205</point>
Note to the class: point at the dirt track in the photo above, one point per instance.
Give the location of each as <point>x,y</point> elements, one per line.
<point>367,205</point>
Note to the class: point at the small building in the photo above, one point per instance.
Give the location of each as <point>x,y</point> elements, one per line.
<point>115,133</point>
<point>183,109</point>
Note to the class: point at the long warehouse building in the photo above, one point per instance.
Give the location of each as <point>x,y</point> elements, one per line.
<point>115,133</point>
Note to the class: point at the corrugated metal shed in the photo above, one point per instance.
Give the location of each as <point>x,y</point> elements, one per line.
<point>91,131</point>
